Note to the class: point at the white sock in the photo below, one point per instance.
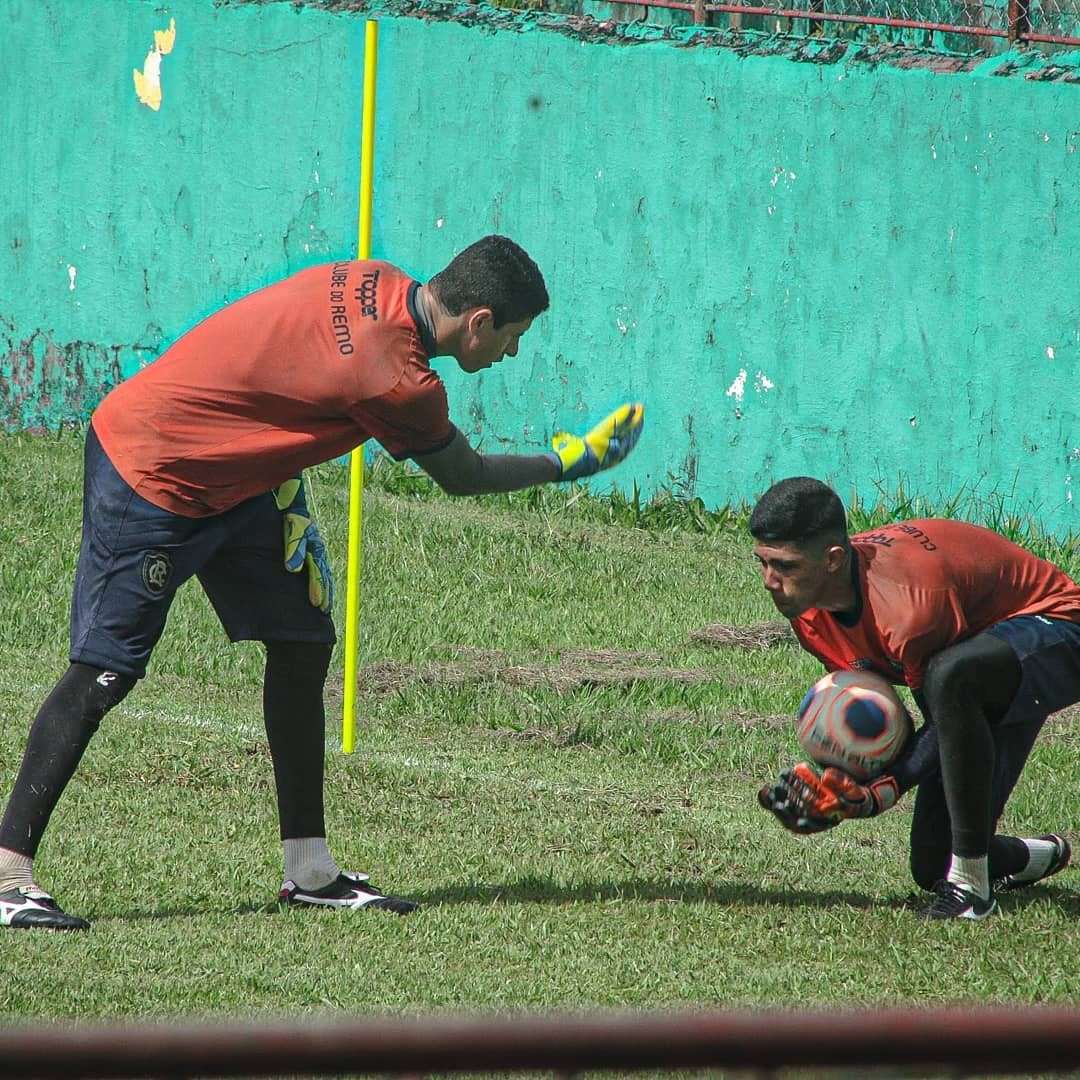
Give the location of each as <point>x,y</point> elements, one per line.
<point>308,862</point>
<point>16,870</point>
<point>971,873</point>
<point>1040,854</point>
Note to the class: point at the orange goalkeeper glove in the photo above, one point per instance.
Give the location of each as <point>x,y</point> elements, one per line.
<point>806,801</point>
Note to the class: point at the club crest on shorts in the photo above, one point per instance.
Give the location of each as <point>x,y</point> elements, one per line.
<point>156,570</point>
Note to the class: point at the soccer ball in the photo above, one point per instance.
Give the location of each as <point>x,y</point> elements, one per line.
<point>855,721</point>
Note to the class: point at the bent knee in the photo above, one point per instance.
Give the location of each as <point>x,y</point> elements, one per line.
<point>97,690</point>
<point>982,671</point>
<point>951,674</point>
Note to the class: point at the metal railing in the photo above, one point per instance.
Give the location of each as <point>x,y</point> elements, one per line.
<point>985,25</point>
<point>923,1042</point>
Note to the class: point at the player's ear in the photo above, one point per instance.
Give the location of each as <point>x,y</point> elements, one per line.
<point>480,318</point>
<point>835,556</point>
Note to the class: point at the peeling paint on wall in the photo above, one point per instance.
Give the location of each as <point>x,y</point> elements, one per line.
<point>738,387</point>
<point>37,372</point>
<point>762,385</point>
<point>42,378</point>
<point>148,81</point>
<point>737,390</point>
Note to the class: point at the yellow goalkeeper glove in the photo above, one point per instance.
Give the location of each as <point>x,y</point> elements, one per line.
<point>606,445</point>
<point>304,546</point>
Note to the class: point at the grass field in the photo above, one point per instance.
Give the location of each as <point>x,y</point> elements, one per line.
<point>567,705</point>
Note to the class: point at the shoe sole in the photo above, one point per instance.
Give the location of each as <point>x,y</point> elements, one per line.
<point>968,913</point>
<point>950,896</point>
<point>381,903</point>
<point>47,921</point>
<point>976,916</point>
<point>33,909</point>
<point>349,891</point>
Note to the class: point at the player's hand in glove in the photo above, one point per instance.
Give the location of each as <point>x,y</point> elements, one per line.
<point>806,801</point>
<point>781,801</point>
<point>606,445</point>
<point>304,546</point>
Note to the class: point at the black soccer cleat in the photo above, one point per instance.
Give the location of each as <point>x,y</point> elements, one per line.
<point>1059,860</point>
<point>31,908</point>
<point>952,901</point>
<point>350,891</point>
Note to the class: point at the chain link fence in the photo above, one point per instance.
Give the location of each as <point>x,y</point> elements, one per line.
<point>964,26</point>
<point>955,25</point>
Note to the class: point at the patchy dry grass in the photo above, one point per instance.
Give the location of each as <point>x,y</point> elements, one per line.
<point>566,708</point>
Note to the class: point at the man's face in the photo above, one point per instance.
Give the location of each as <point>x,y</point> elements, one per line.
<point>487,344</point>
<point>794,576</point>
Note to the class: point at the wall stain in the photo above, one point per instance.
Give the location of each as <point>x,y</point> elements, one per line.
<point>304,236</point>
<point>41,379</point>
<point>687,480</point>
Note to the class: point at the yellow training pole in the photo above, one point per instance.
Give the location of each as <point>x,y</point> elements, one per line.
<point>356,459</point>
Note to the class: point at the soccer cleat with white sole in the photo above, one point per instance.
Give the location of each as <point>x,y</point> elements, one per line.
<point>31,908</point>
<point>952,901</point>
<point>349,890</point>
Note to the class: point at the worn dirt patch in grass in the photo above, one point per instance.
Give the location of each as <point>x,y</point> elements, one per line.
<point>564,672</point>
<point>764,635</point>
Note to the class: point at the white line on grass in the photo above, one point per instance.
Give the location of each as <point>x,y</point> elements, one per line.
<point>427,766</point>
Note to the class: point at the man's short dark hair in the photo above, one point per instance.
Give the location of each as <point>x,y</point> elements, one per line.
<point>800,510</point>
<point>495,273</point>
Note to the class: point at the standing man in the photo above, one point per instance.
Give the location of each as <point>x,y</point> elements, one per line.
<point>985,634</point>
<point>193,467</point>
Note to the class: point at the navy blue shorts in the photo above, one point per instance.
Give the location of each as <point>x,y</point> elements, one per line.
<point>134,556</point>
<point>1049,654</point>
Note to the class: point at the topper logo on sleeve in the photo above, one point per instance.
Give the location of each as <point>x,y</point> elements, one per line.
<point>367,295</point>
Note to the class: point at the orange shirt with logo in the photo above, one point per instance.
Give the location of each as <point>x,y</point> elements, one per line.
<point>292,375</point>
<point>928,584</point>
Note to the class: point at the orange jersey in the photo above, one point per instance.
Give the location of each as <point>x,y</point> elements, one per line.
<point>925,585</point>
<point>297,373</point>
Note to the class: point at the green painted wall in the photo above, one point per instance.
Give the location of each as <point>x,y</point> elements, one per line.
<point>854,263</point>
<point>120,225</point>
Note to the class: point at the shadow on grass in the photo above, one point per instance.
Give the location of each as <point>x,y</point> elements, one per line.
<point>192,912</point>
<point>534,890</point>
<point>736,894</point>
<point>1018,899</point>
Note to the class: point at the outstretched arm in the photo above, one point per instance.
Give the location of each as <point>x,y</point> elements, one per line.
<point>459,470</point>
